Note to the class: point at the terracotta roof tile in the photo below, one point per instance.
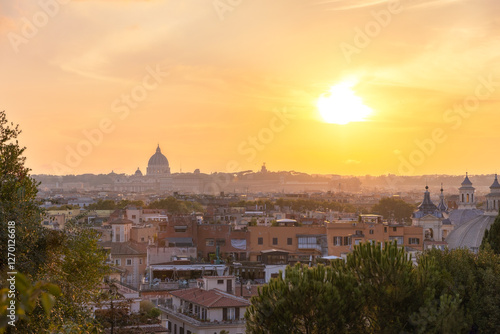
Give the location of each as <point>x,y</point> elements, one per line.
<point>210,298</point>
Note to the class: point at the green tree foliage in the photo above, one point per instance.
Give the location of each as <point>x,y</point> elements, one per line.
<point>309,204</point>
<point>173,205</point>
<point>475,278</point>
<point>385,276</point>
<point>109,204</point>
<point>70,258</point>
<point>29,297</point>
<point>391,207</point>
<point>308,300</point>
<point>17,203</point>
<point>491,237</point>
<point>379,290</point>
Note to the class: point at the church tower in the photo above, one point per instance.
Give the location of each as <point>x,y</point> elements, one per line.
<point>442,204</point>
<point>466,199</point>
<point>493,198</point>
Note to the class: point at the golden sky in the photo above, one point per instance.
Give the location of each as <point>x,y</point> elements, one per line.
<point>225,85</point>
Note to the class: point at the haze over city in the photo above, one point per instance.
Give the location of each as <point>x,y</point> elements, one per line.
<point>344,87</point>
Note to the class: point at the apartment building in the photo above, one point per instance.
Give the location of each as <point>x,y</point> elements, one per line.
<point>209,308</point>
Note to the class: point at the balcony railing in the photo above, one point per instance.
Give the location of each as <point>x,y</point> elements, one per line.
<point>166,286</point>
<point>191,318</point>
<point>309,246</point>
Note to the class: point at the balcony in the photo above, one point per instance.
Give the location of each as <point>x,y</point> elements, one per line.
<point>193,319</point>
<point>309,246</point>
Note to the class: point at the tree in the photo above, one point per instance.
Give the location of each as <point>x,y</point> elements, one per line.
<point>492,237</point>
<point>29,297</point>
<point>173,205</point>
<point>377,290</point>
<point>394,208</point>
<point>385,275</point>
<point>307,300</point>
<point>475,280</point>
<point>18,205</point>
<point>69,258</point>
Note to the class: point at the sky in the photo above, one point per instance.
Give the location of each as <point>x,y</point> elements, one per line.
<point>225,85</point>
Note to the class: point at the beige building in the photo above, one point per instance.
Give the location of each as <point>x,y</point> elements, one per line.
<point>433,220</point>
<point>210,308</point>
<point>302,243</point>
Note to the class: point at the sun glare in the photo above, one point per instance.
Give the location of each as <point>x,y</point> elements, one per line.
<point>341,105</point>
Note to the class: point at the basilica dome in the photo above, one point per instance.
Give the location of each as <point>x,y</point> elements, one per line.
<point>158,164</point>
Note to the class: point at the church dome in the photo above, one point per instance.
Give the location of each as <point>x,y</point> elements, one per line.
<point>158,159</point>
<point>427,207</point>
<point>138,172</point>
<point>158,164</point>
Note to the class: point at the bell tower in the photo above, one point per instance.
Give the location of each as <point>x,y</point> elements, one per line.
<point>466,200</point>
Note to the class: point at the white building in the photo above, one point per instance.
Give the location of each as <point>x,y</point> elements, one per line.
<point>434,221</point>
<point>207,309</point>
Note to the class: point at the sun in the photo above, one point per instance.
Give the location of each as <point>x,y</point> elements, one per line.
<point>341,105</point>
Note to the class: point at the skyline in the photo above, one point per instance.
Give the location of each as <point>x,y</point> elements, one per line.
<point>226,85</point>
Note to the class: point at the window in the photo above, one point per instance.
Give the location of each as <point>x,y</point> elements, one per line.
<point>347,241</point>
<point>243,256</point>
<point>237,313</point>
<point>414,241</point>
<point>385,229</point>
<point>118,262</point>
<point>395,229</point>
<point>260,241</point>
<point>288,241</point>
<point>308,243</point>
<point>371,231</point>
<point>228,313</point>
<point>133,216</point>
<point>275,241</point>
<point>129,262</point>
<point>220,242</point>
<point>359,232</point>
<point>337,241</point>
<point>399,240</point>
<point>220,281</point>
<point>357,241</point>
<point>180,228</point>
<point>209,242</point>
